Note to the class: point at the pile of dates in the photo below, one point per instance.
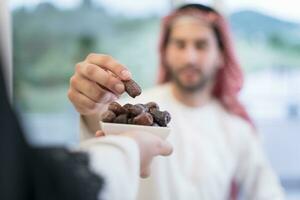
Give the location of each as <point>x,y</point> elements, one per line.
<point>139,114</point>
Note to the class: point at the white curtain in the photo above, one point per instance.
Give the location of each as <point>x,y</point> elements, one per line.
<point>5,44</point>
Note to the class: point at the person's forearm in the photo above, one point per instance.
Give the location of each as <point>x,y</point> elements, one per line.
<point>116,159</point>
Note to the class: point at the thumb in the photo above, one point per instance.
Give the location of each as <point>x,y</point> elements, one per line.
<point>99,133</point>
<point>165,148</point>
<point>145,173</point>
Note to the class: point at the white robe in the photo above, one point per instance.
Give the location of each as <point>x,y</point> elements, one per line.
<point>211,148</point>
<point>116,159</point>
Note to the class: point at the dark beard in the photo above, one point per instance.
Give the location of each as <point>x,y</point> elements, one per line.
<point>199,86</point>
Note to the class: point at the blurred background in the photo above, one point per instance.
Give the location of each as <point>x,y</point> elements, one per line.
<point>51,36</point>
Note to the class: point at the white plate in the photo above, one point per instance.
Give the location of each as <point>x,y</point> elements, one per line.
<point>115,129</point>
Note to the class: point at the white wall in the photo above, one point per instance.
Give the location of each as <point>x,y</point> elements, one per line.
<point>5,43</point>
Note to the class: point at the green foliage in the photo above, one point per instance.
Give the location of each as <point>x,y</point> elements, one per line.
<point>48,42</point>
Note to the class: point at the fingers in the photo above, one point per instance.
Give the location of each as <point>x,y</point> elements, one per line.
<point>84,105</point>
<point>165,148</point>
<point>99,75</point>
<point>97,80</point>
<point>90,89</point>
<point>110,64</point>
<point>99,133</point>
<point>145,173</point>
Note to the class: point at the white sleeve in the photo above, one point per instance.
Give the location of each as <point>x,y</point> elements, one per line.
<point>255,175</point>
<point>116,159</point>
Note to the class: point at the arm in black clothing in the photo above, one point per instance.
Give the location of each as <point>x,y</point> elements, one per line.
<point>39,173</point>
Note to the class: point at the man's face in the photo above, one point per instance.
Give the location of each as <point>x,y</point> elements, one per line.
<point>192,54</point>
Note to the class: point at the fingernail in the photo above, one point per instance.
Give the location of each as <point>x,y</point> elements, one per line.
<point>119,88</point>
<point>126,74</point>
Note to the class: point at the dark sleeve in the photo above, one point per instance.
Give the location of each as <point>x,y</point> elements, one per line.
<point>28,173</point>
<point>60,174</point>
<point>14,179</point>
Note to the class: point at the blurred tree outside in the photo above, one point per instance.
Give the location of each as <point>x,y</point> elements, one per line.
<point>49,41</point>
<point>86,45</point>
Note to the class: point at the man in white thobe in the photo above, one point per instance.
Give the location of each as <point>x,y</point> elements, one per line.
<point>217,152</point>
